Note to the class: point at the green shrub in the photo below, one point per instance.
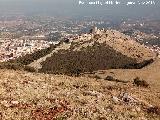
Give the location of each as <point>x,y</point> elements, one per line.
<point>97,77</point>
<point>109,78</point>
<point>13,66</point>
<point>154,110</point>
<point>29,69</point>
<point>139,82</point>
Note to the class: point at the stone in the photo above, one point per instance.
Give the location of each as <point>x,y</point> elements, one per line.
<point>15,102</point>
<point>115,99</point>
<point>5,103</point>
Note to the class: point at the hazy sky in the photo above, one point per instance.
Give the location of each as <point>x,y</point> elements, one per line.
<point>71,7</point>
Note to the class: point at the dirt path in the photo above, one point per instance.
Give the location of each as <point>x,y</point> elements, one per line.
<point>37,63</point>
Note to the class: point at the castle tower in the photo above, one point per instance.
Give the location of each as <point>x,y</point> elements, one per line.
<point>95,29</point>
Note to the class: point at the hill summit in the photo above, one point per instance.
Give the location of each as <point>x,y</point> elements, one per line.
<point>97,50</point>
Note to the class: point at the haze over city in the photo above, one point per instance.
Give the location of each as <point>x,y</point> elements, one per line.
<point>72,8</point>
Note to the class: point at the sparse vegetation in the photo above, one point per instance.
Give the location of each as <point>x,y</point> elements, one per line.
<point>13,66</point>
<point>97,77</point>
<point>154,110</point>
<point>37,96</point>
<point>110,78</point>
<point>97,36</point>
<point>139,65</point>
<point>139,82</point>
<point>29,69</point>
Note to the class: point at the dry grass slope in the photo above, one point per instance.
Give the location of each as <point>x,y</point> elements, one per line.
<point>41,96</point>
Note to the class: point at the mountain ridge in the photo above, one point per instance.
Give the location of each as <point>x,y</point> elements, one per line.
<point>113,41</point>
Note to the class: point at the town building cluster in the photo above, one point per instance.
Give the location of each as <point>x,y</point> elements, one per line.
<point>14,48</point>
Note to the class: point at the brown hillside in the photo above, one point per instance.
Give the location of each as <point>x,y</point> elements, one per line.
<point>41,96</point>
<point>98,51</point>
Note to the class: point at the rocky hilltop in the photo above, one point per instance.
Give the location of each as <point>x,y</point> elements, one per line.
<point>97,50</point>
<point>116,40</point>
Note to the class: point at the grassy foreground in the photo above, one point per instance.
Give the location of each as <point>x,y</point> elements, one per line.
<point>34,96</point>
